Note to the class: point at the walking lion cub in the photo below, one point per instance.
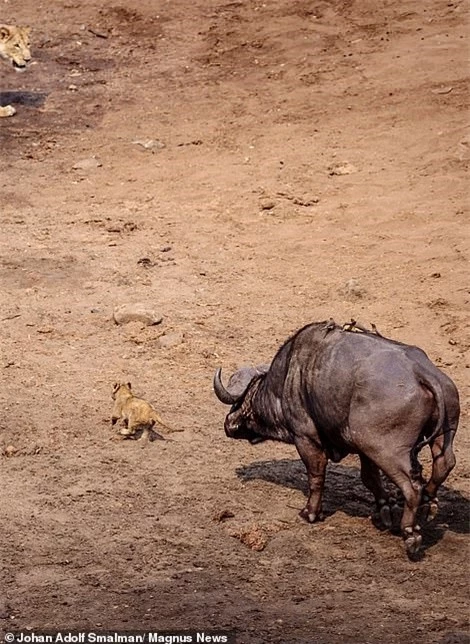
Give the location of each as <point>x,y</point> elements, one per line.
<point>136,414</point>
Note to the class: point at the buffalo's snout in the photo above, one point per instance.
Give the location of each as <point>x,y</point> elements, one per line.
<point>231,428</point>
<point>241,432</point>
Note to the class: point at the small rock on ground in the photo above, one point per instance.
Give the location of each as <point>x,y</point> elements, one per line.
<point>87,164</point>
<point>136,312</point>
<point>340,169</point>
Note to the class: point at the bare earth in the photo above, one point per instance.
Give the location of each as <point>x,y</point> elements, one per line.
<point>242,168</point>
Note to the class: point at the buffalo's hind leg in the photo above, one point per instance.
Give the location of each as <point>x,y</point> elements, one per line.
<point>315,460</point>
<point>399,469</point>
<point>443,462</point>
<point>388,513</point>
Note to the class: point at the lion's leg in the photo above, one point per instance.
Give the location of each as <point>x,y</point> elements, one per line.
<point>144,440</point>
<point>8,110</point>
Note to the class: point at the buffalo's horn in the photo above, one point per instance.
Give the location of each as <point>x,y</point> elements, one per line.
<point>221,392</point>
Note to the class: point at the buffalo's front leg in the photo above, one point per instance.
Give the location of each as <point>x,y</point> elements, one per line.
<point>315,460</point>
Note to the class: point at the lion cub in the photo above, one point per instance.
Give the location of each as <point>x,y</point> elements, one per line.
<point>136,413</point>
<point>14,47</point>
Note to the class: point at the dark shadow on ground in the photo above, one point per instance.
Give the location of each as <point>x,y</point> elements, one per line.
<point>30,99</point>
<point>345,491</point>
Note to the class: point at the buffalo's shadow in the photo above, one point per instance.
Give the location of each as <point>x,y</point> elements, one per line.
<point>30,99</point>
<point>345,491</point>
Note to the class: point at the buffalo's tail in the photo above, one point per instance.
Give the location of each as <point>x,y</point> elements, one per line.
<point>429,380</point>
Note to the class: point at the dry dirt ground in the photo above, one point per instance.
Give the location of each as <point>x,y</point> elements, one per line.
<point>243,168</point>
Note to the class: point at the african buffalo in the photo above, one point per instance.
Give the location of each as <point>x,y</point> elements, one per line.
<point>335,390</point>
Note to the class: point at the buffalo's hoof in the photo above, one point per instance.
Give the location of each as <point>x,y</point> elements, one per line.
<point>413,541</point>
<point>388,516</point>
<point>385,514</point>
<point>433,509</point>
<point>397,513</point>
<point>310,516</point>
<point>428,509</point>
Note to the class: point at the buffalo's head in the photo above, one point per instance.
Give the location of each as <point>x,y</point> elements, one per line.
<point>241,422</point>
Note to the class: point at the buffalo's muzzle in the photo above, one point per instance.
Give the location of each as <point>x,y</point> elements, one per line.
<point>242,433</point>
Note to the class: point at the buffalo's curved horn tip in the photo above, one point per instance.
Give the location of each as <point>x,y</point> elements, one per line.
<point>221,392</point>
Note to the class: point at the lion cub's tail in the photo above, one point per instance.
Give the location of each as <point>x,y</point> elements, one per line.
<point>156,417</point>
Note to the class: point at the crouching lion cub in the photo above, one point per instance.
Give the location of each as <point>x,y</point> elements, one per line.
<point>136,413</point>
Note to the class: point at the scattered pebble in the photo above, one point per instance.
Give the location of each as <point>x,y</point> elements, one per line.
<point>442,90</point>
<point>267,204</point>
<point>438,303</point>
<point>146,262</point>
<point>127,226</point>
<point>299,201</point>
<point>297,599</point>
<point>463,149</point>
<point>136,312</point>
<point>223,515</point>
<point>87,164</point>
<point>340,169</point>
<point>149,144</point>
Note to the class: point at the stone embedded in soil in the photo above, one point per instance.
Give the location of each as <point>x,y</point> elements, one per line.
<point>136,313</point>
<point>463,149</point>
<point>87,164</point>
<point>267,204</point>
<point>223,515</point>
<point>171,340</point>
<point>340,169</point>
<point>442,90</point>
<point>300,201</point>
<point>150,144</point>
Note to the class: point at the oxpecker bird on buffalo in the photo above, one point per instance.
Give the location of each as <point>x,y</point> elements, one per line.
<point>335,390</point>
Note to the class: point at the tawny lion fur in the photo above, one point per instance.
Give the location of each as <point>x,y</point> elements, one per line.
<point>136,414</point>
<point>14,47</point>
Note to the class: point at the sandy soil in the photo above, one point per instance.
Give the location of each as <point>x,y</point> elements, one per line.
<point>242,168</point>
